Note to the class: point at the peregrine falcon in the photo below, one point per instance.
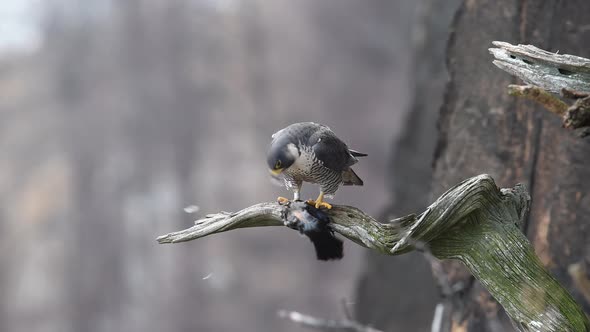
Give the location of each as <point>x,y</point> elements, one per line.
<point>312,153</point>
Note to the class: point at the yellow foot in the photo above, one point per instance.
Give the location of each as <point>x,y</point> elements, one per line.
<point>282,200</point>
<point>319,204</point>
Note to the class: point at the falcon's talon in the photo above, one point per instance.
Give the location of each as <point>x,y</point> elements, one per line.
<point>282,200</point>
<point>319,202</point>
<point>319,205</point>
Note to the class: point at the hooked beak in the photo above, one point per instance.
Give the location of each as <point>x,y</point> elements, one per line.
<point>276,172</point>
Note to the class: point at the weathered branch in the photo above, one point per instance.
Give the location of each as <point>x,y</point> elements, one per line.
<point>550,71</point>
<point>321,324</point>
<point>474,222</point>
<point>551,102</point>
<point>578,115</point>
<point>580,274</point>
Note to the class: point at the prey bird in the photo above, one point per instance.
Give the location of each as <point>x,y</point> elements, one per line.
<point>311,152</point>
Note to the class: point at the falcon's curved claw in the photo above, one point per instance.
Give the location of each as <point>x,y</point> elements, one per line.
<point>318,203</point>
<point>282,200</point>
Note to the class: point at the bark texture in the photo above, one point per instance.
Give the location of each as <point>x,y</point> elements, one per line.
<point>482,129</point>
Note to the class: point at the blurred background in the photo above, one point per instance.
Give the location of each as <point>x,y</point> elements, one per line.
<point>118,114</point>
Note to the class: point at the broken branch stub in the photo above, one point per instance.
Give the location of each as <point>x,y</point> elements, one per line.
<point>321,324</point>
<point>473,222</point>
<point>550,71</point>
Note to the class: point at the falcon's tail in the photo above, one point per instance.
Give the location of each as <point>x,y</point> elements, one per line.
<point>357,154</point>
<point>349,178</point>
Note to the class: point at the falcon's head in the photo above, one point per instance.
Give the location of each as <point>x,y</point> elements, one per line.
<point>281,155</point>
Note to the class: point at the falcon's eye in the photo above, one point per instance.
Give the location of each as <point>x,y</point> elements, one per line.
<point>278,164</point>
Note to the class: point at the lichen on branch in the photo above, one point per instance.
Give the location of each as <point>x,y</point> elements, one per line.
<point>474,222</point>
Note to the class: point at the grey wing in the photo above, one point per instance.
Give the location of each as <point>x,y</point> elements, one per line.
<point>333,153</point>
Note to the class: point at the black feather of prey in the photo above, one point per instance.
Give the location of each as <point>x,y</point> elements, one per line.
<point>315,224</point>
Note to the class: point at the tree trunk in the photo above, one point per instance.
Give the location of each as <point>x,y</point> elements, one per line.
<point>388,298</point>
<point>483,130</point>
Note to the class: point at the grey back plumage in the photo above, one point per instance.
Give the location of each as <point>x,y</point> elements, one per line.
<point>328,148</point>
